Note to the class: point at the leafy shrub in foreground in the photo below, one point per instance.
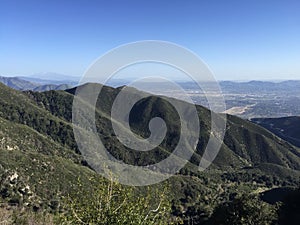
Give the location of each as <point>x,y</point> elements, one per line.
<point>108,202</point>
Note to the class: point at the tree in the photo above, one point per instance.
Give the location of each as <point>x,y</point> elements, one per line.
<point>109,202</point>
<point>244,210</point>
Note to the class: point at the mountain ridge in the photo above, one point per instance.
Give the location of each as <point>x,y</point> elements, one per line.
<point>250,158</point>
<point>23,84</point>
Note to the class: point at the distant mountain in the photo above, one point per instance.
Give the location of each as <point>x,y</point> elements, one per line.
<point>18,83</point>
<point>46,81</point>
<point>50,76</point>
<point>288,128</point>
<point>24,84</point>
<point>249,86</point>
<point>255,86</point>
<point>49,87</point>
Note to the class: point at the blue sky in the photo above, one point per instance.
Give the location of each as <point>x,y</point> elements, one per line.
<point>239,40</point>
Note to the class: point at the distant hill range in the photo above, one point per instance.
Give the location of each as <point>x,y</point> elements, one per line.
<point>288,128</point>
<point>250,87</point>
<point>36,84</point>
<point>51,78</point>
<point>255,86</point>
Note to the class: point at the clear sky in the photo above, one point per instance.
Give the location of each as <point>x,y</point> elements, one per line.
<point>239,40</point>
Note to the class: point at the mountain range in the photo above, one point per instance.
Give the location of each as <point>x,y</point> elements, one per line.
<point>36,84</point>
<point>38,151</point>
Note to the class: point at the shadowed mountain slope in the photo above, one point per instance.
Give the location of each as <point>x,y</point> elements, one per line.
<point>288,128</point>
<point>245,144</point>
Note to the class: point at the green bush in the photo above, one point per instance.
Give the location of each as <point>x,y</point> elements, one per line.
<point>245,210</point>
<point>109,202</point>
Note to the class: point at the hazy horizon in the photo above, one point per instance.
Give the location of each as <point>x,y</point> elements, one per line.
<point>68,76</point>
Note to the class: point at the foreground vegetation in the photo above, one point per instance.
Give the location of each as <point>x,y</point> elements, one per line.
<point>114,204</point>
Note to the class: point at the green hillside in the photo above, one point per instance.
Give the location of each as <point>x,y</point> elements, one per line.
<point>285,127</point>
<point>38,150</point>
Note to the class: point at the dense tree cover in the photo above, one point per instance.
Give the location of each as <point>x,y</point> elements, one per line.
<point>244,210</point>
